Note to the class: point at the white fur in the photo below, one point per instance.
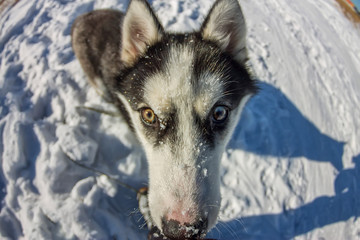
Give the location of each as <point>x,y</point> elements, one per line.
<point>236,113</point>
<point>177,186</point>
<point>210,91</point>
<point>179,173</point>
<point>184,177</point>
<point>184,169</point>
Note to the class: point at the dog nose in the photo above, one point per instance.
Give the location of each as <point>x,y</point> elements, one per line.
<point>177,231</point>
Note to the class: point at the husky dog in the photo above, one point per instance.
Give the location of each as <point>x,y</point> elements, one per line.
<point>181,94</point>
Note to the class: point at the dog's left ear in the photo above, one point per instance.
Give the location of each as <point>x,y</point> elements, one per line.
<point>140,29</point>
<point>225,24</point>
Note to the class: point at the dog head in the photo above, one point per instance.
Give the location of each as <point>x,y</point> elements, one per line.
<point>183,94</point>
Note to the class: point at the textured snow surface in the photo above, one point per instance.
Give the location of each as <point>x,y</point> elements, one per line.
<point>291,170</point>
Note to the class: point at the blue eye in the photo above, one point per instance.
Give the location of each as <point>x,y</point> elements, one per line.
<point>220,114</point>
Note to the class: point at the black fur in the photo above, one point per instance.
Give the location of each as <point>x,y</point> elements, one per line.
<point>97,42</point>
<point>98,60</point>
<point>208,58</point>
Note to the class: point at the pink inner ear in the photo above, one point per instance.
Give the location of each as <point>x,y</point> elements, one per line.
<point>226,25</point>
<point>233,38</point>
<point>137,36</point>
<point>137,32</point>
<point>132,51</point>
<point>133,45</point>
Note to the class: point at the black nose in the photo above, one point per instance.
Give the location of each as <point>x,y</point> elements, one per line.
<point>174,230</point>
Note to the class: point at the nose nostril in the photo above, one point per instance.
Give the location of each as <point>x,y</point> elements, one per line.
<point>177,231</point>
<point>173,229</point>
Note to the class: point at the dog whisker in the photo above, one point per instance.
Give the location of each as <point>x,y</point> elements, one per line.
<point>164,84</point>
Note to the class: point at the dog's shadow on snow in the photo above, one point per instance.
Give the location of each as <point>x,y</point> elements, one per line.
<point>272,125</point>
<point>321,212</point>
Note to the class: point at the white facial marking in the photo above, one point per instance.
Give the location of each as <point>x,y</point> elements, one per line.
<point>184,177</point>
<point>173,84</point>
<point>176,176</point>
<point>236,114</point>
<point>210,90</point>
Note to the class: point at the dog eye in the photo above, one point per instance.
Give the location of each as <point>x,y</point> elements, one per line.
<point>148,116</point>
<point>220,114</point>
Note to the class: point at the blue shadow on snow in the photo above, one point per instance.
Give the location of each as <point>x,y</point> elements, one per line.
<point>323,211</point>
<point>272,126</point>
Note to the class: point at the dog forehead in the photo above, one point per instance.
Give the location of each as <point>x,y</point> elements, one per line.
<point>182,84</point>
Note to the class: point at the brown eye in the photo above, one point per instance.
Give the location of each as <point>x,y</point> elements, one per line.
<point>148,116</point>
<point>220,114</point>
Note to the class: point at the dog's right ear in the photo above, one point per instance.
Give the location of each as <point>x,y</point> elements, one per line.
<point>225,24</point>
<point>140,29</point>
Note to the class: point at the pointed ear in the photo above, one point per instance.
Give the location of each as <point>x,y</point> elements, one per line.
<point>140,29</point>
<point>225,24</point>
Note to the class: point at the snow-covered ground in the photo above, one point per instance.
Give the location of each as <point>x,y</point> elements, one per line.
<point>292,168</point>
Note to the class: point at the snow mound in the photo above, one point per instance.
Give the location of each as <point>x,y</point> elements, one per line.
<point>292,168</point>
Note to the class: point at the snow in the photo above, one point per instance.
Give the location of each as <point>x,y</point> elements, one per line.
<point>291,170</point>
